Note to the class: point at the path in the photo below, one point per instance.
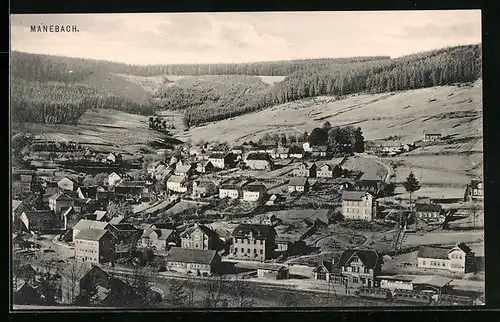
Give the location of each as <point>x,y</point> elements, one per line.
<point>377,159</point>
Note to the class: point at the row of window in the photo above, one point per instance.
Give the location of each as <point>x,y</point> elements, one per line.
<point>87,250</point>
<point>356,203</point>
<point>356,210</point>
<point>428,215</point>
<point>247,241</point>
<point>356,269</point>
<point>435,263</point>
<point>456,256</point>
<point>248,250</point>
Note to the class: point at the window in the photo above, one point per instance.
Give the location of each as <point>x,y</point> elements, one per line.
<point>255,242</point>
<point>242,250</point>
<point>355,280</point>
<point>424,263</point>
<point>261,252</point>
<point>366,270</point>
<point>255,251</point>
<point>236,250</point>
<point>248,250</point>
<point>262,242</point>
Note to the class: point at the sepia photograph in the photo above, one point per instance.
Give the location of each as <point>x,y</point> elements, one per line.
<point>250,160</point>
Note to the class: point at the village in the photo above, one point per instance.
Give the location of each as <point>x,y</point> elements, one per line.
<point>297,216</point>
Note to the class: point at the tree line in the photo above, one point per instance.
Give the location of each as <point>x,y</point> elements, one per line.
<point>67,69</point>
<point>55,102</point>
<point>459,64</point>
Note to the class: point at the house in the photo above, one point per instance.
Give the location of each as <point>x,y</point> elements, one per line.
<point>82,277</point>
<point>281,153</point>
<point>307,147</point>
<point>37,220</point>
<point>113,158</point>
<point>271,220</point>
<point>358,205</point>
<point>254,192</point>
<point>321,151</point>
<point>131,189</point>
<point>25,294</point>
<point>282,245</point>
<point>178,184</point>
<point>369,185</point>
<point>230,191</point>
<point>60,201</point>
<point>221,160</point>
<point>84,223</point>
<point>253,242</point>
<point>430,212</point>
<point>26,183</point>
<point>114,178</point>
<point>158,170</point>
<point>275,272</point>
<point>298,185</point>
<point>126,233</point>
<point>329,171</point>
<point>205,166</point>
<point>152,167</point>
<point>307,170</point>
<point>199,262</point>
<point>259,161</point>
<point>237,150</point>
<point>67,184</point>
<point>432,137</point>
<point>67,216</point>
<point>274,199</point>
<point>204,188</point>
<point>458,259</point>
<point>474,190</point>
<point>159,239</point>
<point>423,200</point>
<point>184,170</point>
<point>95,245</point>
<point>356,267</point>
<point>201,237</point>
<point>295,152</point>
<point>87,192</point>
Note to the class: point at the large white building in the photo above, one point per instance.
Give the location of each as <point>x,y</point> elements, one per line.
<point>358,205</point>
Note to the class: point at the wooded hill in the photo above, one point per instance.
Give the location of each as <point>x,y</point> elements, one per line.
<point>211,98</point>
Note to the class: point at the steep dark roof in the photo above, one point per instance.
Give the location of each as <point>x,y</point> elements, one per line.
<point>254,187</point>
<point>257,230</point>
<point>433,252</point>
<point>297,182</point>
<point>92,234</point>
<point>427,207</point>
<point>185,255</point>
<point>35,214</point>
<point>259,156</point>
<point>88,192</point>
<point>124,226</point>
<point>475,182</point>
<point>61,196</point>
<point>466,249</point>
<point>370,258</point>
<point>218,155</point>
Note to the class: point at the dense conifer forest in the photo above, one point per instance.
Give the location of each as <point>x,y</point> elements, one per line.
<point>53,89</point>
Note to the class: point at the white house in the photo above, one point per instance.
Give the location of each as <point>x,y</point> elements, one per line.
<point>230,191</point>
<point>254,192</point>
<point>114,178</point>
<point>67,184</point>
<point>307,147</point>
<point>358,205</point>
<point>177,184</point>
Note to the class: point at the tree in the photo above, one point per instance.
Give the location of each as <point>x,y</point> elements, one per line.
<point>75,272</point>
<point>141,281</point>
<point>288,300</point>
<point>327,126</point>
<point>318,136</point>
<point>359,141</point>
<point>242,293</point>
<point>176,294</point>
<point>116,209</point>
<point>283,139</point>
<point>304,137</point>
<point>411,185</point>
<point>215,288</point>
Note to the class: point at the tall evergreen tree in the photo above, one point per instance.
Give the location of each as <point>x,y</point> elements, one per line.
<point>411,185</point>
<point>359,141</point>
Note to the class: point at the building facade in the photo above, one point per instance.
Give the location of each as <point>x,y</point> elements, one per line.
<point>305,170</point>
<point>198,262</point>
<point>95,246</point>
<point>201,237</point>
<point>253,242</point>
<point>254,192</point>
<point>458,259</point>
<point>60,202</point>
<point>358,205</point>
<point>229,191</point>
<point>299,185</point>
<point>37,220</point>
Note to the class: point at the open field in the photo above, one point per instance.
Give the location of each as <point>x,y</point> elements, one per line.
<point>379,115</point>
<point>184,205</point>
<point>443,238</point>
<point>110,129</point>
<point>371,169</point>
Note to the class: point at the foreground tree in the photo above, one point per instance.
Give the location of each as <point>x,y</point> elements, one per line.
<point>359,141</point>
<point>116,209</point>
<point>215,287</point>
<point>242,293</point>
<point>288,300</point>
<point>176,294</point>
<point>411,185</point>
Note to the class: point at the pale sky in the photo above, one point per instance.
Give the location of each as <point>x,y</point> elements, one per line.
<point>173,38</point>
